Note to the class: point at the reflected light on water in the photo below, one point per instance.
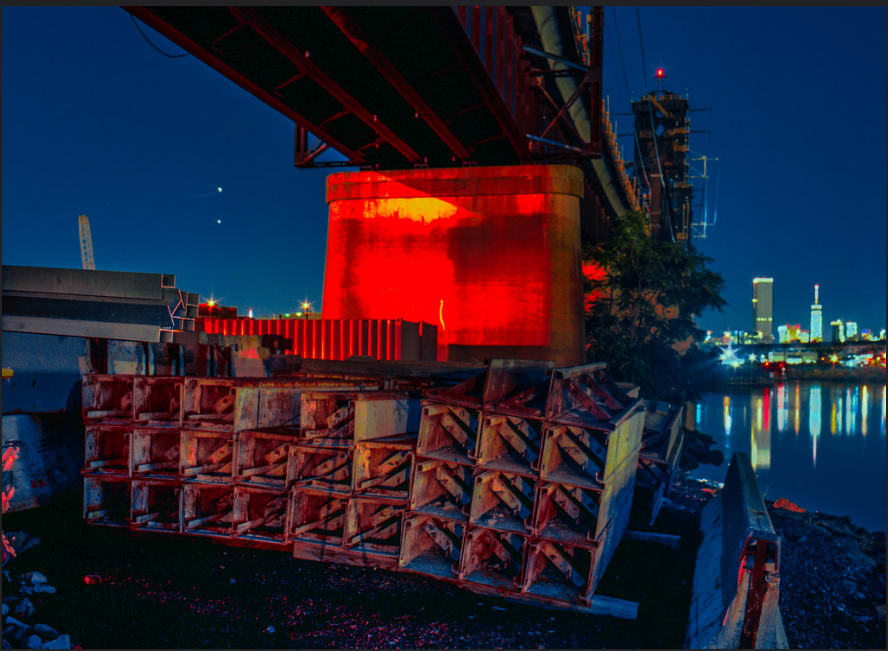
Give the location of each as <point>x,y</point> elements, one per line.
<point>864,405</point>
<point>840,410</point>
<point>814,410</point>
<point>848,411</point>
<point>726,408</point>
<point>883,411</point>
<point>760,436</point>
<point>781,408</point>
<point>797,409</point>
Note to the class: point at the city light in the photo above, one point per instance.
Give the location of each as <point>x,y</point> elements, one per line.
<point>660,73</point>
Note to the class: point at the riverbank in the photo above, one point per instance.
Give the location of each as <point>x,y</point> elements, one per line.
<point>114,588</point>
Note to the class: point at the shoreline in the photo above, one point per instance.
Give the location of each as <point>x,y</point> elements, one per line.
<point>187,593</point>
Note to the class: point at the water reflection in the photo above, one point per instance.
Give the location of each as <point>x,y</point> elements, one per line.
<point>726,411</point>
<point>760,435</point>
<point>782,411</point>
<point>864,408</point>
<point>882,427</point>
<point>798,404</point>
<point>814,411</point>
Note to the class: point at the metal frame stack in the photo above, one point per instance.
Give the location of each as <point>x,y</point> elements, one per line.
<point>661,446</point>
<point>517,481</point>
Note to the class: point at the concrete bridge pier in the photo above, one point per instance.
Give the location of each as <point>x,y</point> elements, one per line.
<point>489,254</point>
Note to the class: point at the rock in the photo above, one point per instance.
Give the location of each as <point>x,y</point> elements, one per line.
<point>26,589</point>
<point>34,578</point>
<point>61,642</point>
<point>12,621</point>
<point>783,503</point>
<point>33,642</point>
<point>24,608</point>
<point>5,610</point>
<point>46,632</point>
<point>42,587</point>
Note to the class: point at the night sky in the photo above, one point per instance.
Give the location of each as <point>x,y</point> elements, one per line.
<point>95,121</point>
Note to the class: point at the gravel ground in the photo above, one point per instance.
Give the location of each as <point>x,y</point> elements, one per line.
<point>159,592</point>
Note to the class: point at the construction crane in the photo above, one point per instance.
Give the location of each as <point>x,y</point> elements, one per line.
<point>86,243</point>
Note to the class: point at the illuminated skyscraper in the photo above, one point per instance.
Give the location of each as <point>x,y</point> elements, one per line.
<point>763,307</point>
<point>816,317</point>
<point>851,330</point>
<point>838,330</point>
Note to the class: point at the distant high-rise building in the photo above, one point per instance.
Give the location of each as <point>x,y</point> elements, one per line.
<point>851,330</point>
<point>763,307</point>
<point>882,333</point>
<point>782,334</point>
<point>816,316</point>
<point>838,330</point>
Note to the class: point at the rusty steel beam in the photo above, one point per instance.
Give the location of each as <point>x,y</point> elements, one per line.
<point>146,16</point>
<point>359,38</point>
<point>266,30</point>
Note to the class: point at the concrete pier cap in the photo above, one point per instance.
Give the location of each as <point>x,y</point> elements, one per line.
<point>491,255</point>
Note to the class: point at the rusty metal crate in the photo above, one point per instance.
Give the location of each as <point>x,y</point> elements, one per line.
<point>566,513</point>
<point>157,401</point>
<point>517,387</point>
<point>261,457</point>
<point>382,467</point>
<point>207,456</point>
<point>106,500</point>
<point>558,572</point>
<point>373,525</point>
<point>510,443</point>
<point>208,509</point>
<point>107,449</point>
<point>586,396</point>
<point>503,501</point>
<point>384,415</point>
<point>441,488</point>
<point>574,455</point>
<point>317,516</point>
<point>448,432</point>
<point>328,414</point>
<point>108,398</point>
<point>493,558</point>
<point>156,505</point>
<point>155,452</point>
<point>321,467</point>
<point>661,445</point>
<point>223,404</point>
<point>260,514</point>
<point>431,545</point>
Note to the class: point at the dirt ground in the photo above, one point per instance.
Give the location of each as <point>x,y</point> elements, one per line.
<point>153,591</point>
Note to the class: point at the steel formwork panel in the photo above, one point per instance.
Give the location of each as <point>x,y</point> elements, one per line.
<point>317,516</point>
<point>431,545</point>
<point>493,558</point>
<point>503,501</point>
<point>320,467</point>
<point>260,514</point>
<point>157,401</point>
<point>207,456</point>
<point>106,500</point>
<point>225,404</point>
<point>107,449</point>
<point>373,525</point>
<point>448,432</point>
<point>558,572</point>
<point>566,513</point>
<point>382,467</point>
<point>261,457</point>
<point>575,455</point>
<point>328,414</point>
<point>510,443</point>
<point>385,415</point>
<point>155,452</point>
<point>441,488</point>
<point>208,509</point>
<point>156,505</point>
<point>108,398</point>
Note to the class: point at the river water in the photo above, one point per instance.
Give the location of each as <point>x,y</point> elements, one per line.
<point>818,444</point>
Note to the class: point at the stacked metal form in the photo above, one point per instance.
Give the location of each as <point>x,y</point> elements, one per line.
<point>517,481</point>
<point>661,447</point>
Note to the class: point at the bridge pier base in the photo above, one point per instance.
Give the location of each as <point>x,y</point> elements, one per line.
<point>489,254</point>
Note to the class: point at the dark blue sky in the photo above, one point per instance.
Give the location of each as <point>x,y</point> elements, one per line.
<point>95,121</point>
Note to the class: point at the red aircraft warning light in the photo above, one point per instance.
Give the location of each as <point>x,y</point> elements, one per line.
<point>660,73</point>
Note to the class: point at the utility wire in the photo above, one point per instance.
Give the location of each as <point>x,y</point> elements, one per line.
<point>644,65</point>
<point>663,182</point>
<point>148,41</point>
<point>639,155</point>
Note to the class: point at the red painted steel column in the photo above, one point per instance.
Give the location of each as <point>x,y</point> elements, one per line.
<point>491,255</point>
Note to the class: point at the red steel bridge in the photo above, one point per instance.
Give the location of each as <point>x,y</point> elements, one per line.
<point>485,150</point>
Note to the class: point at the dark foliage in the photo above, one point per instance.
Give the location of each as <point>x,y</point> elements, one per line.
<point>644,305</point>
